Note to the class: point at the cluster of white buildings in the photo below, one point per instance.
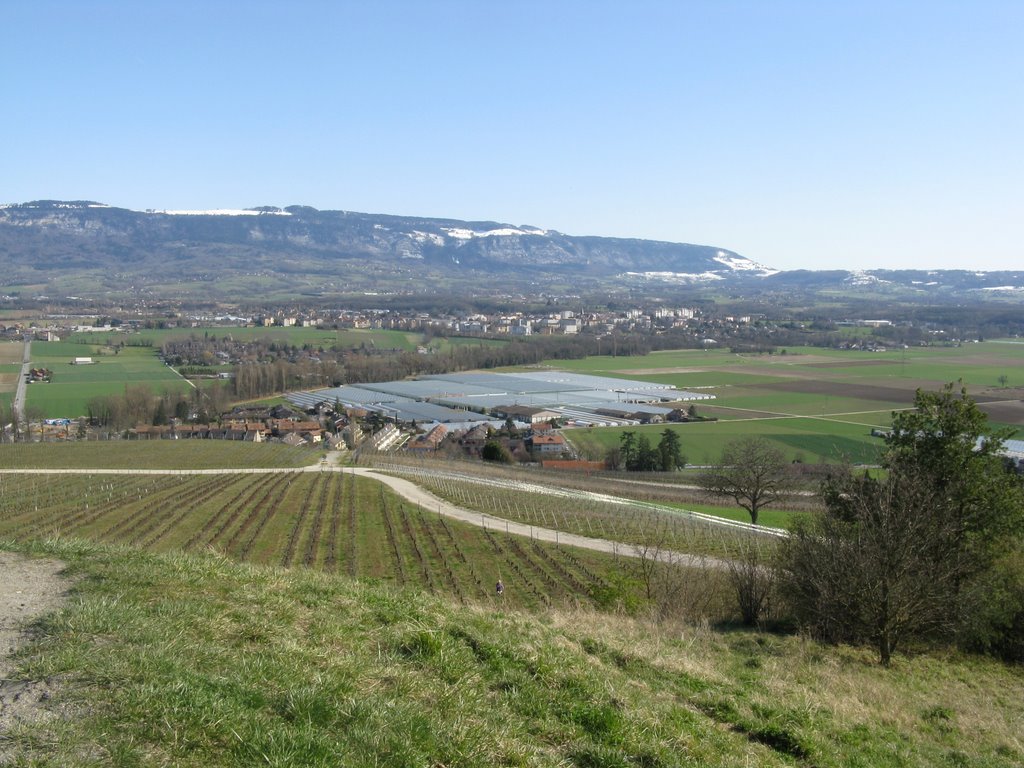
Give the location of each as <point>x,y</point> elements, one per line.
<point>516,324</point>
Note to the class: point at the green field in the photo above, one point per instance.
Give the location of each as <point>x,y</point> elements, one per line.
<point>294,335</point>
<point>807,439</point>
<point>445,344</point>
<point>815,404</point>
<point>979,365</point>
<point>68,394</point>
<point>768,517</point>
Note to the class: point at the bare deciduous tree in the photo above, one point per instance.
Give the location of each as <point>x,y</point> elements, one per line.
<point>752,472</point>
<point>752,576</point>
<point>676,585</point>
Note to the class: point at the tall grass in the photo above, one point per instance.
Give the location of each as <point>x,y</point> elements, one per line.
<point>192,660</point>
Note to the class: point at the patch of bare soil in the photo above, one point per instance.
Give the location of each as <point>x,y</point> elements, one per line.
<point>29,588</point>
<point>1009,412</point>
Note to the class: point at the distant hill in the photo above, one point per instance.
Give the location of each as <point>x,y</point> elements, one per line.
<point>91,249</point>
<point>299,243</point>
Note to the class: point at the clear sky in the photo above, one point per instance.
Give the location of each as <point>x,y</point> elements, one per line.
<point>802,134</point>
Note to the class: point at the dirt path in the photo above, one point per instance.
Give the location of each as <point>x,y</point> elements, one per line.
<point>417,495</point>
<point>29,588</point>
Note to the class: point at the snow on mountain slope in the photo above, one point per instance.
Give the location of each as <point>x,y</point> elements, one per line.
<point>225,212</point>
<point>460,233</point>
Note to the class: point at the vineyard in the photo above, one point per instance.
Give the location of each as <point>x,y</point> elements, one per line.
<point>331,521</point>
<point>671,488</point>
<point>154,454</point>
<point>588,514</point>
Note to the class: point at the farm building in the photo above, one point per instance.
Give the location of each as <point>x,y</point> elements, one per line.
<point>547,443</point>
<point>429,442</point>
<point>524,413</point>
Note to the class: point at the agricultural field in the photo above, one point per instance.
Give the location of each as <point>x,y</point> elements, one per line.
<point>11,352</point>
<point>632,522</point>
<point>296,336</point>
<point>769,517</point>
<point>979,365</point>
<point>443,344</point>
<point>814,404</point>
<point>155,454</point>
<point>10,367</point>
<point>800,438</point>
<point>663,491</point>
<point>8,381</point>
<point>68,394</point>
<point>327,521</point>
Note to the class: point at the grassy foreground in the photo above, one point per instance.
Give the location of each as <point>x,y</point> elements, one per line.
<point>192,660</point>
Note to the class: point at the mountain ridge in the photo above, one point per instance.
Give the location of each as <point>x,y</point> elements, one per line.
<point>489,245</point>
<point>103,249</point>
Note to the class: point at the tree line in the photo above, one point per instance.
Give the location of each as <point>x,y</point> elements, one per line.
<point>635,454</point>
<point>139,404</point>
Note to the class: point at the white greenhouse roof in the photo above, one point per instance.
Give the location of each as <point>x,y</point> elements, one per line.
<point>445,398</point>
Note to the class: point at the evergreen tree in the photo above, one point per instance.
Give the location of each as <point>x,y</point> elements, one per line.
<point>160,414</point>
<point>670,451</point>
<point>627,449</point>
<point>647,457</point>
<point>495,451</point>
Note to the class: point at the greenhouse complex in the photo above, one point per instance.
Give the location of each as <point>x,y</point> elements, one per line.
<point>470,398</point>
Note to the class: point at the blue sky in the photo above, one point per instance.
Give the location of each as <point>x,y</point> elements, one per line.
<point>806,135</point>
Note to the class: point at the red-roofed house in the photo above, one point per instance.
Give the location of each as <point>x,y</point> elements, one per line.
<point>547,444</point>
